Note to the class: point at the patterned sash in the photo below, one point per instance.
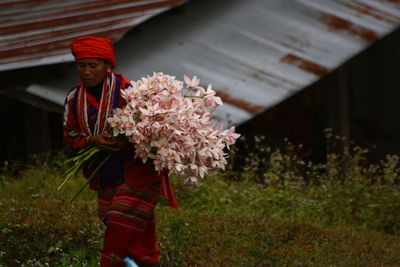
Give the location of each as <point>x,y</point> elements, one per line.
<point>104,109</point>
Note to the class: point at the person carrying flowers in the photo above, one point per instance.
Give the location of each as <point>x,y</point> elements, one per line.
<point>128,190</point>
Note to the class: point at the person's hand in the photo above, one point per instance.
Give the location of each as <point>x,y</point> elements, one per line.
<point>108,142</point>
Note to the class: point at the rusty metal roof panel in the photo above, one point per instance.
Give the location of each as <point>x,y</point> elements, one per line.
<point>256,53</point>
<point>40,32</point>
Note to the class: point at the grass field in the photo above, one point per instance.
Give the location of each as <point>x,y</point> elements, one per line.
<point>230,219</point>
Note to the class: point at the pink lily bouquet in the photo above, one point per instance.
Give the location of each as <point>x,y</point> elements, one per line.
<point>170,127</point>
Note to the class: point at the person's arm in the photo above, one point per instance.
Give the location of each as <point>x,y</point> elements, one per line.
<point>74,137</point>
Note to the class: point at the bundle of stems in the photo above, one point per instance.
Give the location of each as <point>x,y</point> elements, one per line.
<point>86,157</point>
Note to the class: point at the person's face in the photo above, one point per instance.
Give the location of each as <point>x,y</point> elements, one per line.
<point>92,71</point>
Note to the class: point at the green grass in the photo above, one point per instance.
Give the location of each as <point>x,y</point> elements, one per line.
<point>227,220</point>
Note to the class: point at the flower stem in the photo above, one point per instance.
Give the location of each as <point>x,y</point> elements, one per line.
<point>91,176</point>
<point>79,160</point>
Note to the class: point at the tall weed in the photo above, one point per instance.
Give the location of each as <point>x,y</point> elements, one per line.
<point>346,189</point>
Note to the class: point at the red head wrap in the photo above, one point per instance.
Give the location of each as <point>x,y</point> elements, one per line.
<point>93,47</point>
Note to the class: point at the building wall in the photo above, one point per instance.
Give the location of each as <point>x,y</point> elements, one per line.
<point>360,101</point>
<point>27,130</point>
<point>374,80</point>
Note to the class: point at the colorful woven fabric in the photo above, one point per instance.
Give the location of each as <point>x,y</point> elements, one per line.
<point>129,207</point>
<point>104,108</point>
<point>128,214</point>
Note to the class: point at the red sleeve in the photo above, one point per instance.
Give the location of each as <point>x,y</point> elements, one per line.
<point>74,137</point>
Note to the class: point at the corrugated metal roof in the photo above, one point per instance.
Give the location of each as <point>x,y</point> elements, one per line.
<point>40,32</point>
<point>256,53</point>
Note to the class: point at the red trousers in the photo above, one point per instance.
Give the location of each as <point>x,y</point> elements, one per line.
<point>128,214</point>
